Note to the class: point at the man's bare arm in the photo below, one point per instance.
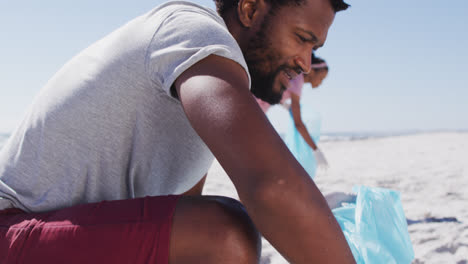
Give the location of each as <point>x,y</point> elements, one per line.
<point>282,200</point>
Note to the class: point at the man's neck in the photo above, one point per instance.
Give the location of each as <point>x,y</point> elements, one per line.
<point>240,33</point>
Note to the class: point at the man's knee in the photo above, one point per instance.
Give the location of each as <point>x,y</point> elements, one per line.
<point>213,228</point>
<point>236,228</point>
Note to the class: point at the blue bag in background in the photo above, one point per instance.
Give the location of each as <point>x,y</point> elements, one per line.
<point>296,143</point>
<point>375,227</point>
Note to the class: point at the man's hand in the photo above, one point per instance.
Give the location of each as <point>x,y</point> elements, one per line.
<point>336,199</point>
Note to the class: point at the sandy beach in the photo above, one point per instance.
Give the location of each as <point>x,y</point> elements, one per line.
<point>430,170</point>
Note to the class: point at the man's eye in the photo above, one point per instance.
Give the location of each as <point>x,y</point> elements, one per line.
<point>301,38</point>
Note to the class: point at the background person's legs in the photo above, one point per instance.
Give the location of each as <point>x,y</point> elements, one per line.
<point>211,229</point>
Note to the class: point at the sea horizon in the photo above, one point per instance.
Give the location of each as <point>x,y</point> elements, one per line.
<point>328,136</point>
<point>363,135</point>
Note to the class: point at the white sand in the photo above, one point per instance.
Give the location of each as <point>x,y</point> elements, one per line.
<point>430,171</point>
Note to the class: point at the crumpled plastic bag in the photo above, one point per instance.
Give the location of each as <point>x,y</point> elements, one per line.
<point>375,227</point>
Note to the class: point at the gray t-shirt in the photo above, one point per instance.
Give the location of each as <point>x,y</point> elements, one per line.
<point>106,126</point>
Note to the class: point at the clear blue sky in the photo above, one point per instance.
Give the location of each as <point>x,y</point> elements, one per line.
<point>395,65</point>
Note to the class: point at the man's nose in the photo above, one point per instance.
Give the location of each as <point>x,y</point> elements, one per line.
<point>304,62</point>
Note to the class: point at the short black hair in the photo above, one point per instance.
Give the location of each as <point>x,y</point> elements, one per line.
<point>223,6</point>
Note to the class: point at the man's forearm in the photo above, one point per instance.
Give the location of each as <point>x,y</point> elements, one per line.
<point>296,219</point>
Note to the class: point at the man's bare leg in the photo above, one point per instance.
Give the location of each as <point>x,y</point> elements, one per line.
<point>213,229</point>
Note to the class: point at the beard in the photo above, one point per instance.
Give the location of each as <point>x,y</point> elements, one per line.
<point>261,61</point>
<point>262,86</point>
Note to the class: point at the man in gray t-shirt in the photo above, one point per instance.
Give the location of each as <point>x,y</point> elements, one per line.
<point>143,112</point>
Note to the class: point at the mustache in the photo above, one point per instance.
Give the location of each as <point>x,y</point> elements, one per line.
<point>287,68</point>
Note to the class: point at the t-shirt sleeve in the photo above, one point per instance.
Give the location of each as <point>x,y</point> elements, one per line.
<point>184,38</point>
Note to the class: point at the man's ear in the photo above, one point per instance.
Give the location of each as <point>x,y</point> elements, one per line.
<point>249,11</point>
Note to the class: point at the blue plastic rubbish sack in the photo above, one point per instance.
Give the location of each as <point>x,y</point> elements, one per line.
<point>296,143</point>
<point>375,227</point>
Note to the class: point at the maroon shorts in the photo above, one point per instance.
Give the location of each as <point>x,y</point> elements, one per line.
<point>127,231</point>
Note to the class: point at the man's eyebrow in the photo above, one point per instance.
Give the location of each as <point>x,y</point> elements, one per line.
<point>313,37</point>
